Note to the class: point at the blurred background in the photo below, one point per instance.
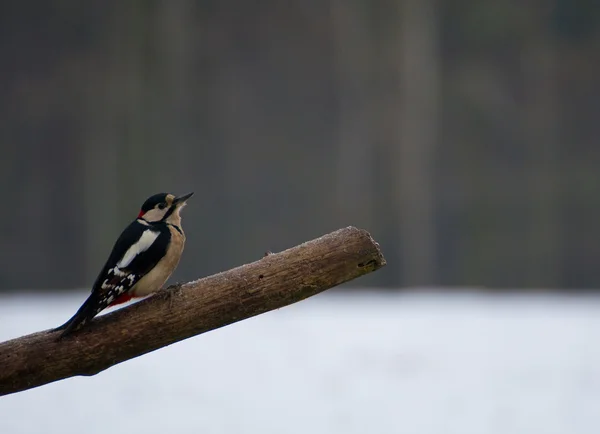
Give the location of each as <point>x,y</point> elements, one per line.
<point>461,133</point>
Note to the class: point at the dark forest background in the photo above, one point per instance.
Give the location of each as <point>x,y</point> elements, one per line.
<point>462,134</point>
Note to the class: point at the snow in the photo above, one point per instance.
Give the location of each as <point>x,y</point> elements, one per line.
<point>368,362</point>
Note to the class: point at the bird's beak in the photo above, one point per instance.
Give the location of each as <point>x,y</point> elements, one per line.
<point>181,199</point>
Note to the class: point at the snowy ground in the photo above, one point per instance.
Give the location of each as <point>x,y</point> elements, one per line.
<point>337,363</point>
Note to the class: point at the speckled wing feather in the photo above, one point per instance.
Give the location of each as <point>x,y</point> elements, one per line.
<point>138,249</point>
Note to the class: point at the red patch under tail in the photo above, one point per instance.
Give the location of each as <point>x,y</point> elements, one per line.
<point>123,298</point>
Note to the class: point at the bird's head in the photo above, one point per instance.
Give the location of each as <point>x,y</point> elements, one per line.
<point>164,207</point>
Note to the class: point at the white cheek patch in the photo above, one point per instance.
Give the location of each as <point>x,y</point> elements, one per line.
<point>155,214</point>
<point>148,237</point>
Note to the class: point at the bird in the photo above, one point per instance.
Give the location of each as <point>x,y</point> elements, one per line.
<point>142,259</point>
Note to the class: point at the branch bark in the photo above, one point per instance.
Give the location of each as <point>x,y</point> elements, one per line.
<point>186,310</point>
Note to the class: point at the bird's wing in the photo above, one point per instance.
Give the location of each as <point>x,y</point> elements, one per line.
<point>137,250</point>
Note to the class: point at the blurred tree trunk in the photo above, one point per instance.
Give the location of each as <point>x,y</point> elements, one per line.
<point>541,125</point>
<point>236,116</point>
<point>354,188</point>
<point>134,105</point>
<point>174,66</point>
<point>117,157</point>
<point>414,153</point>
<point>100,158</point>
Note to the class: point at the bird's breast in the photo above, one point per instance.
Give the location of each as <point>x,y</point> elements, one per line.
<point>156,278</point>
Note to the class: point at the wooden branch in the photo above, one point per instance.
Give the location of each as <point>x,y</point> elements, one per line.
<point>183,311</point>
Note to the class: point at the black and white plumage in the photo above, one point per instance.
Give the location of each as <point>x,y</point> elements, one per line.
<point>142,259</point>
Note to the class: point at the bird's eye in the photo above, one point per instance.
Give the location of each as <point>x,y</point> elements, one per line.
<point>162,205</point>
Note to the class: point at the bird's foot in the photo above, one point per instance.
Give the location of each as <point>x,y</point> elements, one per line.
<point>168,292</point>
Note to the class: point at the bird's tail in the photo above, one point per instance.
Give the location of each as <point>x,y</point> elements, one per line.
<point>85,313</point>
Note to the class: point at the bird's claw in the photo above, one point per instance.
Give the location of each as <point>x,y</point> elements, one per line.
<point>168,292</point>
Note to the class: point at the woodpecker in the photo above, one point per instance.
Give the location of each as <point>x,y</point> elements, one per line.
<point>142,259</point>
